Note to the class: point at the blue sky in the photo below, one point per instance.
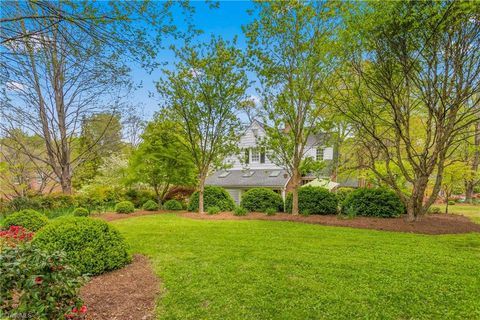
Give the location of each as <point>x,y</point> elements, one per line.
<point>225,21</point>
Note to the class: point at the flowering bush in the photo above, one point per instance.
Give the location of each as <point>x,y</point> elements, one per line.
<point>15,234</point>
<point>37,284</point>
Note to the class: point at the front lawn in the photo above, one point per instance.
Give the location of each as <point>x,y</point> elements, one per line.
<point>468,210</point>
<point>283,270</point>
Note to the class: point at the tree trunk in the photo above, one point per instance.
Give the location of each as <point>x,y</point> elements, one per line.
<point>295,185</point>
<point>469,186</point>
<point>66,180</point>
<point>201,191</point>
<point>415,207</point>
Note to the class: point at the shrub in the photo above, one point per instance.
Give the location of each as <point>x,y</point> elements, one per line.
<point>240,211</point>
<point>313,200</point>
<point>139,197</point>
<point>270,211</point>
<point>213,210</point>
<point>378,202</point>
<point>150,205</point>
<point>261,199</point>
<point>173,205</point>
<point>451,202</point>
<point>342,193</point>
<point>91,245</point>
<point>37,283</point>
<point>124,207</point>
<point>22,203</point>
<point>213,197</point>
<point>29,219</point>
<point>81,212</point>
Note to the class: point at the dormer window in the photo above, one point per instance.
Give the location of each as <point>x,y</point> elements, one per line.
<point>255,155</point>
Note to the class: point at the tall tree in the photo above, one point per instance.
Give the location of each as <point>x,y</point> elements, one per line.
<point>63,61</point>
<point>202,95</point>
<point>291,46</point>
<point>161,160</point>
<point>413,69</point>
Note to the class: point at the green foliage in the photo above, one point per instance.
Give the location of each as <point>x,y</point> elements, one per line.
<point>377,202</point>
<point>240,211</point>
<point>270,211</point>
<point>91,245</point>
<point>213,197</point>
<point>261,199</point>
<point>81,212</point>
<point>313,200</point>
<point>342,193</point>
<point>213,210</point>
<point>451,202</point>
<point>150,205</point>
<point>21,203</point>
<point>27,218</point>
<point>172,205</point>
<point>139,197</point>
<point>124,207</point>
<point>434,210</point>
<point>37,283</point>
<point>161,160</point>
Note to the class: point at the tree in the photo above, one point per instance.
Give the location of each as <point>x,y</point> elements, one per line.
<point>63,61</point>
<point>411,69</point>
<point>202,95</point>
<point>453,177</point>
<point>100,137</point>
<point>291,46</point>
<point>161,160</point>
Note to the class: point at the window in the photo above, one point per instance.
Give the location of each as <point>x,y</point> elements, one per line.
<point>262,156</point>
<point>255,132</point>
<point>224,174</point>
<point>255,155</point>
<point>319,156</point>
<point>274,174</point>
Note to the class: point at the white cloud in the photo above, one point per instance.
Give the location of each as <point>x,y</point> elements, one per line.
<point>14,86</point>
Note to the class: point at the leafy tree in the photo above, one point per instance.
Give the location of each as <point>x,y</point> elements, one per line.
<point>411,68</point>
<point>202,95</point>
<point>161,160</point>
<point>292,49</point>
<point>453,179</point>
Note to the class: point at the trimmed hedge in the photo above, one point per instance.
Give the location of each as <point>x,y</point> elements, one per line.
<point>81,212</point>
<point>124,207</point>
<point>173,205</point>
<point>150,205</point>
<point>377,202</point>
<point>213,197</point>
<point>313,200</point>
<point>29,219</point>
<point>91,245</point>
<point>342,193</point>
<point>261,199</point>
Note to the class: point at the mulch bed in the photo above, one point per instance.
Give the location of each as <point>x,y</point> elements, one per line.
<point>430,224</point>
<point>125,294</point>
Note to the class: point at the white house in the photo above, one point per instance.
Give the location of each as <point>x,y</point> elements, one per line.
<point>252,168</point>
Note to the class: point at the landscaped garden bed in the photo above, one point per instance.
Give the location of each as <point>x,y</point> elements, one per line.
<point>125,294</point>
<point>429,224</point>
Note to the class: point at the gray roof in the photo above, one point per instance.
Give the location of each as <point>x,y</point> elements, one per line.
<point>249,178</point>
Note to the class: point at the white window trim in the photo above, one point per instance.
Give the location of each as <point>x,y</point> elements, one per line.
<point>254,155</point>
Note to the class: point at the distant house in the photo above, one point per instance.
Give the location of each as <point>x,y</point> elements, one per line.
<point>252,168</point>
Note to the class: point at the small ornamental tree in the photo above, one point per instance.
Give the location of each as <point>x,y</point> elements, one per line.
<point>202,95</point>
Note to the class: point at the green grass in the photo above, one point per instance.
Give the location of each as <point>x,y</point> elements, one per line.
<point>468,210</point>
<point>283,270</point>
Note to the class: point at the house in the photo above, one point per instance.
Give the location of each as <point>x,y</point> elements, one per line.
<point>253,168</point>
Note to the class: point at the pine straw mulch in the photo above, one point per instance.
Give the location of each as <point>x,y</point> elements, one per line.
<point>110,216</point>
<point>429,224</point>
<point>125,294</point>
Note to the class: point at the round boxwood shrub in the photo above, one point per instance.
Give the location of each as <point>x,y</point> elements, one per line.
<point>313,200</point>
<point>377,202</point>
<point>124,207</point>
<point>261,199</point>
<point>81,212</point>
<point>29,219</point>
<point>172,205</point>
<point>91,245</point>
<point>150,205</point>
<point>213,197</point>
